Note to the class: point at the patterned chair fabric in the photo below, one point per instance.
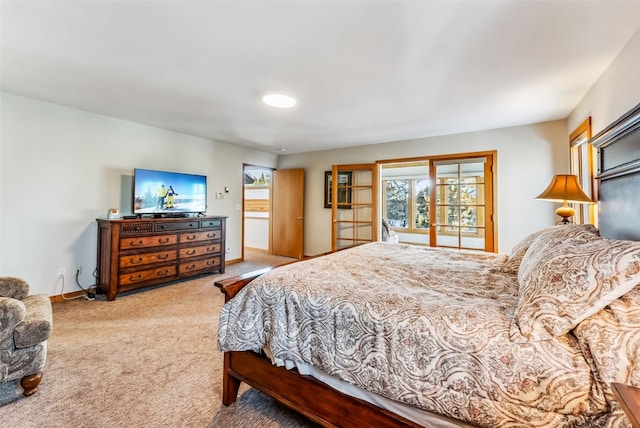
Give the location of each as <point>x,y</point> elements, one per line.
<point>25,327</point>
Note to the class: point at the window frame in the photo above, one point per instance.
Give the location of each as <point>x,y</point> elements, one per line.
<point>582,162</point>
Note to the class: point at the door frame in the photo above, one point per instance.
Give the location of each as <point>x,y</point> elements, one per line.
<point>491,191</point>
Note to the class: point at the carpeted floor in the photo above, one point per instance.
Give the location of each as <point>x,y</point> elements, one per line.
<point>147,359</point>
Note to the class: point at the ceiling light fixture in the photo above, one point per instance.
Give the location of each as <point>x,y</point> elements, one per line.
<point>279,100</point>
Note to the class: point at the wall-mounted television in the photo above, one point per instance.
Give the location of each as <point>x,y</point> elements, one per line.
<point>168,193</point>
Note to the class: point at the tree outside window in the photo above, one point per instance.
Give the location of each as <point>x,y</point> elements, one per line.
<point>406,204</point>
<point>461,198</point>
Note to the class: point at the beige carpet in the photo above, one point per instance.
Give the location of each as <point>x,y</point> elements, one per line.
<point>147,359</point>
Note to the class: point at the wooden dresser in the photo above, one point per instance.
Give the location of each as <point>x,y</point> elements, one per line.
<point>141,252</point>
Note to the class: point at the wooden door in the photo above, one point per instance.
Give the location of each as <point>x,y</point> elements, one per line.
<point>354,209</point>
<point>287,213</point>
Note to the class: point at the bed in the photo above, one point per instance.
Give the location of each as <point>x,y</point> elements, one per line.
<point>418,336</point>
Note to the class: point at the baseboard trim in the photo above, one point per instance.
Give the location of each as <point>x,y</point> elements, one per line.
<point>258,250</point>
<point>233,262</point>
<point>75,294</point>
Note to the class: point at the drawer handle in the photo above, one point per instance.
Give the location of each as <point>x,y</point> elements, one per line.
<point>191,252</point>
<point>191,237</point>
<point>211,234</point>
<point>164,226</point>
<point>135,261</point>
<point>135,278</point>
<point>163,256</point>
<point>190,267</point>
<point>192,225</point>
<point>163,241</point>
<point>211,263</point>
<point>212,249</point>
<point>136,244</point>
<point>163,272</point>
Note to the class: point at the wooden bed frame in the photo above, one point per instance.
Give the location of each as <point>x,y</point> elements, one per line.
<point>619,207</point>
<point>304,394</point>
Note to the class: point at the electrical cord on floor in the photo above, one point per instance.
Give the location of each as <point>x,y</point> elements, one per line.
<point>89,294</point>
<point>62,291</point>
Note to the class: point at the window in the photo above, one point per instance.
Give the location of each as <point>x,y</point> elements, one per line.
<point>406,204</point>
<point>396,202</point>
<point>582,157</point>
<point>406,197</point>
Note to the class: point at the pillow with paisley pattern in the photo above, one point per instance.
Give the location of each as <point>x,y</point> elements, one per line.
<point>550,238</point>
<point>610,341</point>
<point>512,264</point>
<point>570,281</point>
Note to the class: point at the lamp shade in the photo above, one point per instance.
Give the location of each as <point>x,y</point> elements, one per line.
<point>565,188</point>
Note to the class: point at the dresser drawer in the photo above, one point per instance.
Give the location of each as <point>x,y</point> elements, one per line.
<point>177,225</point>
<point>148,241</point>
<point>211,223</point>
<point>136,228</point>
<point>197,265</point>
<point>165,272</point>
<point>147,258</point>
<point>199,251</point>
<point>200,236</point>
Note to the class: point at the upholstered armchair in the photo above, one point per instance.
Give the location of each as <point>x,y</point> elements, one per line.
<point>25,326</point>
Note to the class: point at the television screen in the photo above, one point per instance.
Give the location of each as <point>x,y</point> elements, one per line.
<point>158,192</point>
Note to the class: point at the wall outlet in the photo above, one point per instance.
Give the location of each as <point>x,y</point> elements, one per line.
<point>61,271</point>
<point>228,250</point>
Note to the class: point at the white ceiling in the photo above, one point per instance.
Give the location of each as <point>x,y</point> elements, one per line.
<point>362,71</point>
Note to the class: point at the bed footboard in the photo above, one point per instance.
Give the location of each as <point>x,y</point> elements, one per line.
<point>231,286</point>
<point>304,394</point>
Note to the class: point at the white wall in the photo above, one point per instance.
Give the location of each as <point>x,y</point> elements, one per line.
<point>528,156</point>
<point>256,224</point>
<point>62,168</point>
<point>616,91</point>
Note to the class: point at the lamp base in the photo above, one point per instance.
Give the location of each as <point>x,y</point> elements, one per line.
<point>566,212</point>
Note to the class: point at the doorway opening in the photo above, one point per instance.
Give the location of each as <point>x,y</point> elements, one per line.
<point>256,211</point>
<point>440,201</point>
<point>272,212</point>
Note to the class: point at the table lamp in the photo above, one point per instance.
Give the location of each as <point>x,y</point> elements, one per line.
<point>565,188</point>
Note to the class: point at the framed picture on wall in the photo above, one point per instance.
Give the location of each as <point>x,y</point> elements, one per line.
<point>344,193</point>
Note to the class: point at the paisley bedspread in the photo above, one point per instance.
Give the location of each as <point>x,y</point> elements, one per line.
<point>424,326</point>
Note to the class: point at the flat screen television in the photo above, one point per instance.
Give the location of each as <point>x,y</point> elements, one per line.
<point>168,193</point>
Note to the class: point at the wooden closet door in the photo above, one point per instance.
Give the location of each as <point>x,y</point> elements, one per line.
<point>287,230</point>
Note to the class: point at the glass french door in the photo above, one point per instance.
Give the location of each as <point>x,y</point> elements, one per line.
<point>462,203</point>
<point>354,205</point>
